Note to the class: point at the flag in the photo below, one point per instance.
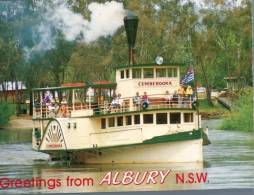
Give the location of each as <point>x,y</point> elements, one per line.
<point>188,77</point>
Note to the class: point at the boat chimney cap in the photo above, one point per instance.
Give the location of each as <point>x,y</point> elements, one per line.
<point>131,26</point>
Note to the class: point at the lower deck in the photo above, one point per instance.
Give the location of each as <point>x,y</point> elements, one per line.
<point>112,130</point>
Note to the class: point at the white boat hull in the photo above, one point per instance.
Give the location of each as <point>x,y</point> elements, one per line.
<point>167,152</point>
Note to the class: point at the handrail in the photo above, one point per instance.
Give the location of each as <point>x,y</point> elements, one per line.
<point>155,101</point>
<point>127,129</point>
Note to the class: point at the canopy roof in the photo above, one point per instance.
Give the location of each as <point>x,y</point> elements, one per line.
<point>95,85</point>
<point>148,65</point>
<point>12,86</point>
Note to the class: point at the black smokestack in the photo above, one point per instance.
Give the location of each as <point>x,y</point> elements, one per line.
<point>131,26</point>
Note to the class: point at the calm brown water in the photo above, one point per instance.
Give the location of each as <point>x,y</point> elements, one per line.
<point>229,162</point>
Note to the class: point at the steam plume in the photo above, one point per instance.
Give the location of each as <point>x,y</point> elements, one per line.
<point>105,19</point>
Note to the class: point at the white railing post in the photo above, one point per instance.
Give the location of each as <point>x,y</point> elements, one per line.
<point>73,99</point>
<point>41,102</point>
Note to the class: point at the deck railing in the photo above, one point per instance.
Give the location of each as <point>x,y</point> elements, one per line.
<point>125,105</point>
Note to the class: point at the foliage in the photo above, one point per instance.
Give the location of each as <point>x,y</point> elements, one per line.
<point>242,118</point>
<point>217,41</point>
<point>6,110</point>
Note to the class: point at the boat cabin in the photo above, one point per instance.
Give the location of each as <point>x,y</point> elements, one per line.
<point>150,78</point>
<point>138,88</point>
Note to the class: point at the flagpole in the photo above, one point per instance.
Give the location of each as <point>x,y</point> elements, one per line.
<point>196,89</point>
<point>186,79</point>
<point>189,45</point>
<point>196,94</point>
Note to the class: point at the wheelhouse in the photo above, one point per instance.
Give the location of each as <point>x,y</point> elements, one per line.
<point>150,78</point>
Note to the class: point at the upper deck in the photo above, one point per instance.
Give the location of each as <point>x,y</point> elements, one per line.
<point>138,88</point>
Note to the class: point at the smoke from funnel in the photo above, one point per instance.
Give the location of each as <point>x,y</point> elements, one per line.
<point>105,19</point>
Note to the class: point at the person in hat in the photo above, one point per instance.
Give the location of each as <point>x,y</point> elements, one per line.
<point>181,94</point>
<point>189,92</point>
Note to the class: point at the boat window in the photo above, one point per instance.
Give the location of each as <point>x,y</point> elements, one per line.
<point>148,118</point>
<point>148,72</point>
<point>127,73</point>
<point>103,123</point>
<point>136,73</point>
<point>122,74</point>
<point>188,117</point>
<point>136,119</point>
<point>128,120</point>
<point>161,118</point>
<point>111,122</point>
<point>120,121</point>
<point>172,72</point>
<point>160,72</point>
<point>175,118</point>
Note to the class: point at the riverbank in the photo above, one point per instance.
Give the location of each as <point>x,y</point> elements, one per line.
<point>216,111</point>
<point>21,122</point>
<point>241,118</point>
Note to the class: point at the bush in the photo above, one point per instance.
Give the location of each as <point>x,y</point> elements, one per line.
<point>242,117</point>
<point>6,110</point>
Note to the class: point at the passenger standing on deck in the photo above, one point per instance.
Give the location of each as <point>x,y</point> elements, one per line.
<point>189,94</point>
<point>47,98</point>
<point>145,101</point>
<point>47,101</point>
<point>137,101</point>
<point>114,102</point>
<point>119,101</point>
<point>168,98</point>
<point>180,91</point>
<point>174,101</point>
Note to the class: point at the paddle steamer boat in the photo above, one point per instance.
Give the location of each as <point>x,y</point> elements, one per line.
<point>89,124</point>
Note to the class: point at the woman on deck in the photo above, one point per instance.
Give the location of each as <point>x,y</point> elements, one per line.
<point>168,98</point>
<point>137,101</point>
<point>181,94</point>
<point>189,94</point>
<point>145,101</point>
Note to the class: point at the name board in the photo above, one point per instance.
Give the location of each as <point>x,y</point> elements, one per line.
<point>154,83</point>
<point>201,89</point>
<point>57,145</point>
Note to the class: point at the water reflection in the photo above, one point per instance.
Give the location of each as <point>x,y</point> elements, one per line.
<point>229,162</point>
<point>230,158</point>
<point>97,173</point>
<point>12,136</point>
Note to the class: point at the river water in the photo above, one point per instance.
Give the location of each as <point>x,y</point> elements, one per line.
<point>229,163</point>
